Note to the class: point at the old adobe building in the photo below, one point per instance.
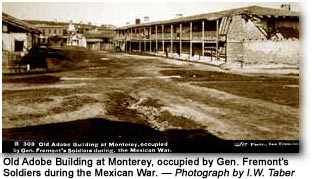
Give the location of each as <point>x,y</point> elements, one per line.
<point>249,35</point>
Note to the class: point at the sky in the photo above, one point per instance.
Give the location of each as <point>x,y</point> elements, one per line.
<point>118,13</point>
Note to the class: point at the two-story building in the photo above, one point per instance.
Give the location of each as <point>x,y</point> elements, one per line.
<point>58,34</point>
<point>100,38</point>
<point>247,35</point>
<point>53,33</point>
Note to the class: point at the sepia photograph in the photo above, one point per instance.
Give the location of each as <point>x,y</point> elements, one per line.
<point>151,77</point>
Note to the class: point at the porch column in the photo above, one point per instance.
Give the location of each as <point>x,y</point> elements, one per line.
<point>125,40</point>
<point>203,38</point>
<point>150,38</point>
<point>163,38</point>
<point>144,31</point>
<point>180,39</point>
<point>130,40</point>
<point>191,38</point>
<point>217,41</point>
<point>140,40</point>
<point>171,37</point>
<point>156,39</point>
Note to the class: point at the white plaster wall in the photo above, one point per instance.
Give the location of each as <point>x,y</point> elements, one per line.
<point>9,39</point>
<point>268,51</point>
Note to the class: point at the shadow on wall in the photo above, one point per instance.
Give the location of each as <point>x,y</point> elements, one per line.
<point>37,57</point>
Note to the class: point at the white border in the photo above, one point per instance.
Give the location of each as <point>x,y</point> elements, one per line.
<point>301,161</point>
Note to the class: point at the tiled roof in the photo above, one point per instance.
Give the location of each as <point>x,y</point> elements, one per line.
<point>19,23</point>
<point>257,10</point>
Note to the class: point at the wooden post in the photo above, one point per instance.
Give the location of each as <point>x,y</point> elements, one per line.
<point>171,37</point>
<point>180,39</point>
<point>191,38</point>
<point>163,38</point>
<point>130,40</point>
<point>225,49</point>
<point>156,39</point>
<point>144,40</point>
<point>150,38</point>
<point>125,40</point>
<point>217,42</point>
<point>203,38</point>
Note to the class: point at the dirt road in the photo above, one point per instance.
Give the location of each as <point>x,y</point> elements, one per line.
<point>160,93</point>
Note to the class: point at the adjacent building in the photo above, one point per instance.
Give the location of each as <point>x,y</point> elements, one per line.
<point>53,34</point>
<point>75,38</point>
<point>18,38</point>
<point>59,34</point>
<point>248,35</point>
<point>100,38</point>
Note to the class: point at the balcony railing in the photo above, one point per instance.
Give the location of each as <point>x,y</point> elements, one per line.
<point>196,36</point>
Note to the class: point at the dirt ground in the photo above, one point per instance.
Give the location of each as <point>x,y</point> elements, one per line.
<point>163,94</point>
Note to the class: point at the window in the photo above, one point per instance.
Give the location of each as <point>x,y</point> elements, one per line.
<point>4,28</point>
<point>19,46</point>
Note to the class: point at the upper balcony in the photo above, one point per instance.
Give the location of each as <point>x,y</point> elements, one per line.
<point>196,36</point>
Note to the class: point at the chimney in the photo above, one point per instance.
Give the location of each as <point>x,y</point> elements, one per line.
<point>286,7</point>
<point>137,21</point>
<point>179,15</point>
<point>146,19</point>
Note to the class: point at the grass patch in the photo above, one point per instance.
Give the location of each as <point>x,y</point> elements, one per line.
<point>31,79</point>
<point>35,100</point>
<point>73,103</point>
<point>150,102</point>
<point>273,89</point>
<point>26,117</point>
<point>178,121</point>
<point>276,92</point>
<point>118,104</point>
<point>199,75</point>
<point>7,95</point>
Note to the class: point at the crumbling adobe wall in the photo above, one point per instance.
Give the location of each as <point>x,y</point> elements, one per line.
<point>247,44</point>
<point>235,52</point>
<point>236,31</point>
<point>235,36</point>
<point>272,52</point>
<point>251,31</point>
<point>281,48</point>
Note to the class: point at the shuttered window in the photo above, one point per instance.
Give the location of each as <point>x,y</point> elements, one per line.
<point>18,46</point>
